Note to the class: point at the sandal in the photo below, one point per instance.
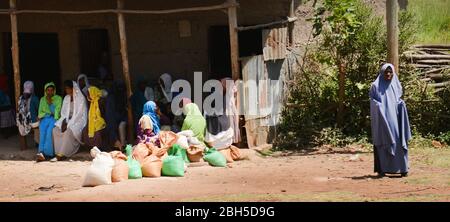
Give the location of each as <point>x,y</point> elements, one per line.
<point>40,157</point>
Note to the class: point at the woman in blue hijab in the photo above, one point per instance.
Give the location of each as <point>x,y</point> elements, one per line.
<point>390,125</point>
<point>151,110</point>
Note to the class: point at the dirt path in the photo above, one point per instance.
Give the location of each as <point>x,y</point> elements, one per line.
<point>316,177</point>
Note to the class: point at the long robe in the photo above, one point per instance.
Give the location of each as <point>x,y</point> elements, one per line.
<point>74,113</point>
<point>390,125</point>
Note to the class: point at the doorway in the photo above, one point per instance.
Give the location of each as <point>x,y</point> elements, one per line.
<point>95,57</point>
<point>38,59</point>
<point>250,44</point>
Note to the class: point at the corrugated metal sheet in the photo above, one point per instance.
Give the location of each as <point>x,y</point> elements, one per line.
<point>274,43</point>
<point>269,94</point>
<point>253,68</point>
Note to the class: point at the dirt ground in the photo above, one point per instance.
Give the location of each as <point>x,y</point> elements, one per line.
<point>325,174</point>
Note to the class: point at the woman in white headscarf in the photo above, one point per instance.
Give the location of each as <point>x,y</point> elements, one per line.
<point>165,82</point>
<point>68,131</point>
<point>27,117</point>
<point>83,83</point>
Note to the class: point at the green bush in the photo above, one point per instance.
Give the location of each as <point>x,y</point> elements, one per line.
<point>310,116</point>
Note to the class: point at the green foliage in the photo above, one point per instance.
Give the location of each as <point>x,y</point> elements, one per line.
<point>434,18</point>
<point>309,119</point>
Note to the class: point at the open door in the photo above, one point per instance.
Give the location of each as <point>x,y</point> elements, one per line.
<point>38,58</point>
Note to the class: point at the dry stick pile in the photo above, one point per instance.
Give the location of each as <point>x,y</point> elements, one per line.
<point>434,63</point>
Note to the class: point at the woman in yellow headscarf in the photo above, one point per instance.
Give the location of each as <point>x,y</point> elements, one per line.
<point>96,121</point>
<point>93,133</point>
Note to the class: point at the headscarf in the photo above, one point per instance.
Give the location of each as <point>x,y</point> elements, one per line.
<point>96,121</point>
<point>28,87</point>
<point>23,118</point>
<point>167,89</point>
<point>79,115</point>
<point>386,110</point>
<point>44,108</point>
<point>86,81</point>
<point>194,121</point>
<point>150,110</point>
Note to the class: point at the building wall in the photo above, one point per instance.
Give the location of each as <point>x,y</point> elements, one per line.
<point>154,45</point>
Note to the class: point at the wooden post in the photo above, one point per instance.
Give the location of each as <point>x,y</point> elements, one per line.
<point>125,66</point>
<point>291,24</point>
<point>392,32</point>
<point>234,43</point>
<point>15,58</point>
<point>341,95</point>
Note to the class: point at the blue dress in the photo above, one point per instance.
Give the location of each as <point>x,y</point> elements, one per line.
<point>390,125</point>
<point>46,134</point>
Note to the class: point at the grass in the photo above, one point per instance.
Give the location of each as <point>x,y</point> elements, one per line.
<point>429,155</point>
<point>434,20</point>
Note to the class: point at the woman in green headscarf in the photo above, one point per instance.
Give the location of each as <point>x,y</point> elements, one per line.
<point>194,121</point>
<point>49,113</point>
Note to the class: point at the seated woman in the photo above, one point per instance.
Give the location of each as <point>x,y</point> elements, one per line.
<point>220,134</point>
<point>7,120</point>
<point>149,124</point>
<point>83,83</point>
<point>49,113</point>
<point>69,128</point>
<point>94,131</point>
<point>194,121</point>
<point>27,117</point>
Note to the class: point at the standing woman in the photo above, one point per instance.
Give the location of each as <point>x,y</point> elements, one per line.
<point>69,128</point>
<point>116,115</point>
<point>49,113</point>
<point>93,133</point>
<point>390,124</point>
<point>138,100</point>
<point>27,117</point>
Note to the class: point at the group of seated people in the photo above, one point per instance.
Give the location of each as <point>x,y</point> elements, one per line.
<point>89,116</point>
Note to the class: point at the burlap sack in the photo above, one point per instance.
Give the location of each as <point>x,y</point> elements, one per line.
<point>235,153</point>
<point>151,167</point>
<point>232,154</point>
<point>195,153</point>
<point>167,139</point>
<point>227,154</point>
<point>120,170</point>
<point>140,152</point>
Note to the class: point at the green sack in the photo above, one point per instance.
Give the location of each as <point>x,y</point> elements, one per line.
<point>129,150</point>
<point>135,171</point>
<point>215,158</point>
<point>177,150</point>
<point>173,166</point>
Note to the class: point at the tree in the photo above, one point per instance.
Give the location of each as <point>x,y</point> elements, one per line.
<point>336,21</point>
